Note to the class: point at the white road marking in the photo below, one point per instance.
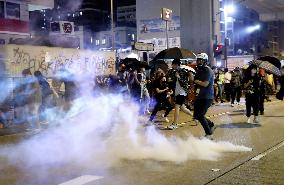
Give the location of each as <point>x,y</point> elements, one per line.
<point>82,180</point>
<point>268,152</point>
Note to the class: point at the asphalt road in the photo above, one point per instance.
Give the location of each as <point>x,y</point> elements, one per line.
<point>263,165</point>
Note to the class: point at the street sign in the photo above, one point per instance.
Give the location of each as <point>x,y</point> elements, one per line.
<point>140,46</point>
<point>167,14</point>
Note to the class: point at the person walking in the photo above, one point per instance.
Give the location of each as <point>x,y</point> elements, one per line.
<point>236,90</point>
<point>252,93</point>
<point>47,99</point>
<point>204,80</point>
<point>180,77</point>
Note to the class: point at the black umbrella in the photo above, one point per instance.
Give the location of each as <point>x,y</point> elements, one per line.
<point>273,60</point>
<point>159,64</point>
<point>133,63</point>
<point>175,53</point>
<point>129,61</point>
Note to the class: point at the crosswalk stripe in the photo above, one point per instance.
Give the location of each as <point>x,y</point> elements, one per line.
<point>82,180</point>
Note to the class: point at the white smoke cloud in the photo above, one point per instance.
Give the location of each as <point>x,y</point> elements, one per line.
<point>103,131</point>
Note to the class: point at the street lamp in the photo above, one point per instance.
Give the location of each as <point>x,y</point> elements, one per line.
<point>251,29</point>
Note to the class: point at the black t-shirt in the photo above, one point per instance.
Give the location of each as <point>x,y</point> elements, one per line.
<point>205,74</point>
<point>158,85</point>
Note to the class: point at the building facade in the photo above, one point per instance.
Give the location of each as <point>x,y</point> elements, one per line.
<point>152,29</point>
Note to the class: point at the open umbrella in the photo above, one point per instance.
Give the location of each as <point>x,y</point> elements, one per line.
<point>159,64</point>
<point>188,68</point>
<point>129,61</point>
<point>267,66</point>
<point>273,60</point>
<point>175,53</point>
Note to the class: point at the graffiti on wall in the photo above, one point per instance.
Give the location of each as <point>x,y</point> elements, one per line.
<point>50,60</point>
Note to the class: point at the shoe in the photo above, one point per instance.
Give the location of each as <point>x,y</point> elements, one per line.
<point>249,120</point>
<point>238,103</point>
<point>147,112</point>
<point>213,129</point>
<point>232,105</point>
<point>149,123</point>
<point>195,122</point>
<point>256,120</point>
<point>181,124</point>
<point>261,113</point>
<point>166,119</point>
<point>172,126</point>
<point>209,137</point>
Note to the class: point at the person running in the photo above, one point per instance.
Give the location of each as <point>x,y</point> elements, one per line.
<point>162,94</point>
<point>252,93</point>
<point>180,78</point>
<point>204,80</point>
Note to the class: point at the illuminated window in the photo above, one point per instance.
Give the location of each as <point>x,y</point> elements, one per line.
<point>97,42</point>
<point>132,37</point>
<point>104,41</point>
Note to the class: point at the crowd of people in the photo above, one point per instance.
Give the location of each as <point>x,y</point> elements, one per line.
<point>155,90</point>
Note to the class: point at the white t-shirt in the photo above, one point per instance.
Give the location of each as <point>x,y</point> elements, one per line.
<point>228,77</point>
<point>179,90</point>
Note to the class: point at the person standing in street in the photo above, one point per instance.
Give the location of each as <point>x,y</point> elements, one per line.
<point>252,93</point>
<point>228,77</point>
<point>180,77</point>
<point>236,91</point>
<point>220,83</point>
<point>204,80</point>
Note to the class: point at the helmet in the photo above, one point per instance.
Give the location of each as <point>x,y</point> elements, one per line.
<point>202,56</point>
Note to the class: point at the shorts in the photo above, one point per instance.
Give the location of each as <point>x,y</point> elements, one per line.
<point>180,99</point>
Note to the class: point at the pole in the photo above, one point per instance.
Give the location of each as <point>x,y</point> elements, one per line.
<point>112,26</point>
<point>167,34</point>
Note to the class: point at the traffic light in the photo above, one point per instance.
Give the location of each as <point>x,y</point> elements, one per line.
<point>218,49</point>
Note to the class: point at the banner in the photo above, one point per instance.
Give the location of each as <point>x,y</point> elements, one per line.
<point>15,58</point>
<point>159,25</point>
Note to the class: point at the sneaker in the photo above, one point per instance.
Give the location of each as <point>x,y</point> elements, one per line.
<point>249,120</point>
<point>172,126</point>
<point>149,123</point>
<point>238,103</point>
<point>181,124</point>
<point>147,112</point>
<point>213,129</point>
<point>209,137</point>
<point>232,105</point>
<point>256,120</point>
<point>166,119</point>
<point>261,113</point>
<point>195,122</point>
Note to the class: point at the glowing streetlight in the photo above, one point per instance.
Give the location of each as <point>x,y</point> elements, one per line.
<point>253,28</point>
<point>230,9</point>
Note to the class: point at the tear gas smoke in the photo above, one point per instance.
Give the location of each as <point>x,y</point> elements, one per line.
<point>103,131</point>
